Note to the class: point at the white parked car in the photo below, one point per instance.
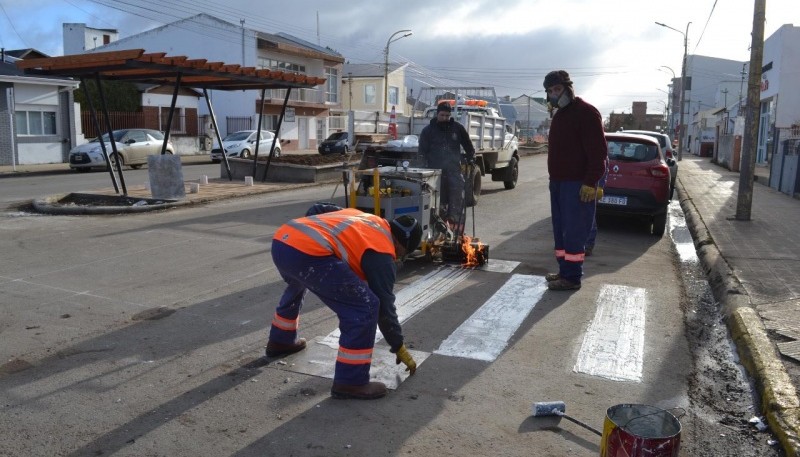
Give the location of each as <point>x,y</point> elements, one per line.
<point>406,142</point>
<point>242,145</point>
<point>133,147</point>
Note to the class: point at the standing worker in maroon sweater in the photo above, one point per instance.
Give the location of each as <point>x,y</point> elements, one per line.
<point>576,160</point>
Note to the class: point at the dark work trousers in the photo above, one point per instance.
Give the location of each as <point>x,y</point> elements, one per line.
<point>452,194</point>
<point>335,283</point>
<point>572,221</point>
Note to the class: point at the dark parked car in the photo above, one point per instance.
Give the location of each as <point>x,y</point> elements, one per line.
<point>336,143</point>
<point>133,147</point>
<point>669,155</point>
<point>638,179</point>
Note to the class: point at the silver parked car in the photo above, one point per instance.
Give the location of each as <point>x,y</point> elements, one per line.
<point>133,146</point>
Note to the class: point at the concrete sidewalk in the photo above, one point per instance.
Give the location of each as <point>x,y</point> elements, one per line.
<point>753,267</point>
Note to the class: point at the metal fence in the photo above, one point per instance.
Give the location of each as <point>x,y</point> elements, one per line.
<point>118,120</point>
<point>131,120</point>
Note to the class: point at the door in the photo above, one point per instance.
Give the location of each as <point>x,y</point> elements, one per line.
<point>302,132</point>
<point>763,133</point>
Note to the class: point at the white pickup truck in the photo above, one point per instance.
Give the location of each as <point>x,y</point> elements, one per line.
<point>478,110</point>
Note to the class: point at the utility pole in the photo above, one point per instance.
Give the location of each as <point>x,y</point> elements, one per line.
<point>242,22</point>
<point>725,127</point>
<point>744,200</point>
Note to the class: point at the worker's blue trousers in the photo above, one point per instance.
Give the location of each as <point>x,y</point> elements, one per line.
<point>335,283</point>
<point>572,221</point>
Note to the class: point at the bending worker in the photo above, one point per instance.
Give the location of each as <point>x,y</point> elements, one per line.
<point>347,258</point>
<point>440,144</point>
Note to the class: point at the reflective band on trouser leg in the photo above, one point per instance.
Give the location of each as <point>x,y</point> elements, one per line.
<point>560,253</point>
<point>575,257</point>
<point>289,325</point>
<point>354,356</point>
<point>352,366</point>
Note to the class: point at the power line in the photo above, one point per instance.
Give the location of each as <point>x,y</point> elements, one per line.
<point>11,23</point>
<point>711,13</point>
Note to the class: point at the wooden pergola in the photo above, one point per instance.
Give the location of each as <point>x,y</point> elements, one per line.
<point>134,65</point>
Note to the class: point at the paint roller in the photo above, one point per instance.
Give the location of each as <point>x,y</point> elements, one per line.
<point>558,408</point>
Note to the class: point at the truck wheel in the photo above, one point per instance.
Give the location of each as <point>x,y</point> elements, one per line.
<point>512,174</point>
<point>472,189</point>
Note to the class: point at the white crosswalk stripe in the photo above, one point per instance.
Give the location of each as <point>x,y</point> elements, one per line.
<point>486,333</point>
<point>613,346</point>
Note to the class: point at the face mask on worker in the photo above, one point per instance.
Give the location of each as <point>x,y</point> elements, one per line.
<point>561,100</point>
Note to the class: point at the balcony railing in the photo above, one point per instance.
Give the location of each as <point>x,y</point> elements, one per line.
<point>315,96</point>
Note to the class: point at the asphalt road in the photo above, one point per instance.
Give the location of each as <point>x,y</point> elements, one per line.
<point>141,335</point>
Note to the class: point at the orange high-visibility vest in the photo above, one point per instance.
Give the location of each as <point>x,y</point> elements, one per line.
<point>346,234</point>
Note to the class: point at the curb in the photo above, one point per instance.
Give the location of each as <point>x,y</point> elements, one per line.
<point>779,400</point>
<point>47,205</point>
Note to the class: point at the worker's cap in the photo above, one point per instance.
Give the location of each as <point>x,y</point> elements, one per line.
<point>557,77</point>
<point>407,231</point>
<point>444,107</point>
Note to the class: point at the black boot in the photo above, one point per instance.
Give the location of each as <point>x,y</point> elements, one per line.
<point>369,391</point>
<point>280,349</point>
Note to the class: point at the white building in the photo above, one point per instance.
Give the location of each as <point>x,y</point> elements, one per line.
<point>780,86</point>
<point>207,37</point>
<point>78,38</point>
<point>37,114</point>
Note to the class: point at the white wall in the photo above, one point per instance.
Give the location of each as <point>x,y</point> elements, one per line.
<point>37,153</point>
<point>782,49</point>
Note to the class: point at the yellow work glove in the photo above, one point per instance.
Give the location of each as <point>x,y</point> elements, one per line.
<point>599,193</point>
<point>404,356</point>
<point>588,193</point>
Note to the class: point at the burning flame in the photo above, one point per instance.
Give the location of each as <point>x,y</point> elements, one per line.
<point>471,253</point>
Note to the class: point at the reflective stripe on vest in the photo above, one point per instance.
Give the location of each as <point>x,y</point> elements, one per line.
<point>354,356</point>
<point>346,234</point>
<point>285,324</point>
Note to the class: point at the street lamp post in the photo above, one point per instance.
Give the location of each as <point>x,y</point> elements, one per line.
<point>670,100</point>
<point>683,84</point>
<point>386,64</point>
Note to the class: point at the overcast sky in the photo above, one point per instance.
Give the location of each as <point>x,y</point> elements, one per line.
<point>613,49</point>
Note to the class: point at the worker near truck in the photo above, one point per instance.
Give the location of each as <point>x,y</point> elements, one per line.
<point>440,144</point>
<point>347,258</point>
<point>576,162</point>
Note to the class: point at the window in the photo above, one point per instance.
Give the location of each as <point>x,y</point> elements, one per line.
<point>178,118</point>
<point>35,122</point>
<point>393,95</point>
<point>332,85</point>
<point>369,94</point>
<point>273,64</point>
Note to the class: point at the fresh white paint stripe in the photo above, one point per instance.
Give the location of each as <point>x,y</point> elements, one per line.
<point>486,333</point>
<point>613,346</point>
<point>416,297</point>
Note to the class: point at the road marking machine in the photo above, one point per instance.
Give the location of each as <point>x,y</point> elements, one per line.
<point>392,191</point>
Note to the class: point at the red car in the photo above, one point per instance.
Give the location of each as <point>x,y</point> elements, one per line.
<point>638,181</point>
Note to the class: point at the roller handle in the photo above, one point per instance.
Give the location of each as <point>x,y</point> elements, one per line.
<point>558,408</point>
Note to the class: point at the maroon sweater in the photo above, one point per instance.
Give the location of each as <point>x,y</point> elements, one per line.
<point>577,149</point>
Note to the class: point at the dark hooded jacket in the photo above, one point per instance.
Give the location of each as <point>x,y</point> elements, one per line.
<point>440,145</point>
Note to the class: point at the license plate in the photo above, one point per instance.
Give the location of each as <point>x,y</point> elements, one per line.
<point>612,200</point>
<point>327,149</point>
